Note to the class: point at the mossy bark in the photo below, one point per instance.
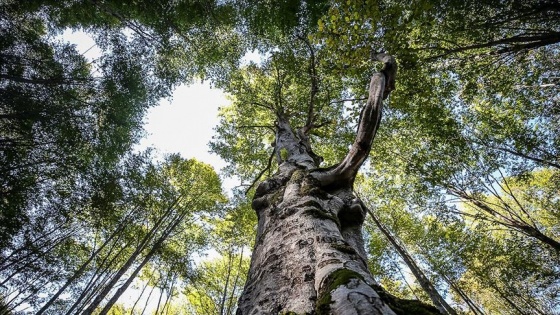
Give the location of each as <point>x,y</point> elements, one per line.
<point>308,259</point>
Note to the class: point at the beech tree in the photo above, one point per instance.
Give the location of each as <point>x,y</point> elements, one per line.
<point>309,254</point>
<point>476,90</point>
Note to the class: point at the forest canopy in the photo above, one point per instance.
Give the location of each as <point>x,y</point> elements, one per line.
<point>462,182</point>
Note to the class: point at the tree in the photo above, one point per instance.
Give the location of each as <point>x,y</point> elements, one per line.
<point>67,126</point>
<point>481,266</point>
<point>150,216</point>
<point>474,94</point>
<point>309,254</point>
<point>469,115</point>
<point>420,276</point>
<point>218,282</point>
<point>60,124</point>
<point>218,285</point>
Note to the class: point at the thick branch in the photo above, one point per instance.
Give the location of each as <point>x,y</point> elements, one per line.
<point>509,44</point>
<point>381,85</point>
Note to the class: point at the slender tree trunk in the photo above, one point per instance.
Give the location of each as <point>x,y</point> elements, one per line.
<point>82,269</point>
<point>169,295</point>
<point>234,288</point>
<point>157,246</point>
<point>470,303</point>
<point>96,282</point>
<point>162,291</point>
<point>139,297</point>
<point>512,304</point>
<point>533,232</point>
<point>424,282</point>
<point>309,256</point>
<point>147,238</point>
<point>15,256</point>
<point>145,303</point>
<point>228,275</point>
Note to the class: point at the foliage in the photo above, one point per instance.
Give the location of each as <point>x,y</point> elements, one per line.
<point>291,81</point>
<point>218,285</point>
<point>156,218</point>
<point>464,169</point>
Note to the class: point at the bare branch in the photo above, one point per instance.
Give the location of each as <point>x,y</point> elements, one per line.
<point>314,86</point>
<point>381,85</point>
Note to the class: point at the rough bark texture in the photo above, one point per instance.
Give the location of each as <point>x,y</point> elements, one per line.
<point>309,255</point>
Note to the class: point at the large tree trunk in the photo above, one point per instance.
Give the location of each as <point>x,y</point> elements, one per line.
<point>309,256</point>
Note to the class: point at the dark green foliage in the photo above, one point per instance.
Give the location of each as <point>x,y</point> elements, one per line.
<point>59,124</point>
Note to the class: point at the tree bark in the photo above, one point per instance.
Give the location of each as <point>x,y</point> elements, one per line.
<point>309,256</point>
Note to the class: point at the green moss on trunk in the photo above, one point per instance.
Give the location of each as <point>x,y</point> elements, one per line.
<point>405,307</point>
<point>334,280</point>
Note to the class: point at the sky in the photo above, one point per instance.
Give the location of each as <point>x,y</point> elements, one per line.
<point>183,124</point>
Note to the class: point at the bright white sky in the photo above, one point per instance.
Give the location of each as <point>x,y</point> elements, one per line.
<point>183,124</point>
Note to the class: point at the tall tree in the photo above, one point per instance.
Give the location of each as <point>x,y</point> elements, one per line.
<point>309,254</point>
<point>474,95</point>
<point>474,110</point>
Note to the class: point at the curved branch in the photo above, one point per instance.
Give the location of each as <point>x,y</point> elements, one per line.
<point>380,87</point>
